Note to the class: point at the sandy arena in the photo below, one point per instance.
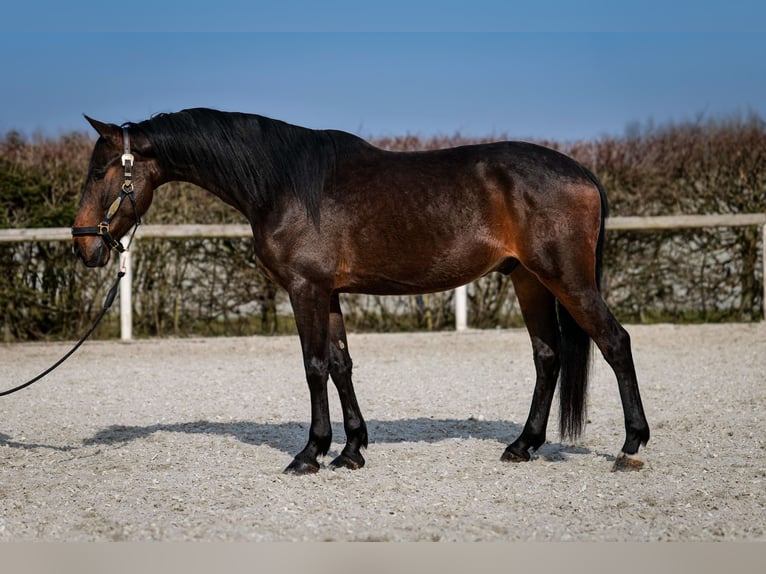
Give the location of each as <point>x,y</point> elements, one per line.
<point>186,439</point>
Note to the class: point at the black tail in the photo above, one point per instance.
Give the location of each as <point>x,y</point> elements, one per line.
<point>575,350</point>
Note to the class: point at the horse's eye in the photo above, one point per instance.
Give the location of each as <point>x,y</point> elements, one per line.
<point>99,175</point>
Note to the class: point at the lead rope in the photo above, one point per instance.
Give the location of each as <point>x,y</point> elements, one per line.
<point>127,191</point>
<point>107,303</point>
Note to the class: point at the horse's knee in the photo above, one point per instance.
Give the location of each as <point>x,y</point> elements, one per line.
<point>317,369</point>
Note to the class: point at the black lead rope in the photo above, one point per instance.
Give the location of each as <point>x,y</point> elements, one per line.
<point>102,230</point>
<point>107,303</point>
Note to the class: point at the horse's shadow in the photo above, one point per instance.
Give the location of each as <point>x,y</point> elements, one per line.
<point>289,437</point>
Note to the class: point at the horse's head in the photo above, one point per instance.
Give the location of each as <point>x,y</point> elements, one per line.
<point>121,179</point>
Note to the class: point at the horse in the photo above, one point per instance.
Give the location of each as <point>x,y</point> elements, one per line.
<point>331,213</point>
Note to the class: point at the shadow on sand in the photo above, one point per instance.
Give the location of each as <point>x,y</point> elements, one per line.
<point>289,437</point>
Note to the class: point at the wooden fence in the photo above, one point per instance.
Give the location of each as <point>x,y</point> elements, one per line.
<point>231,230</point>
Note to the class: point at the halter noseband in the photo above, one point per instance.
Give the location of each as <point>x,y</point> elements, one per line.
<point>102,229</point>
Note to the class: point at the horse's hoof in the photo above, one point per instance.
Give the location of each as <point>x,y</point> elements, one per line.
<point>511,456</point>
<point>344,461</point>
<point>627,462</point>
<point>301,467</point>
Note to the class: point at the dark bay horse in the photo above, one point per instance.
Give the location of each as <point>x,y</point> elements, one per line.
<point>331,213</point>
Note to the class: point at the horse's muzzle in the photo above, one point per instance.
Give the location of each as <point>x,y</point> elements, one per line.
<point>91,250</point>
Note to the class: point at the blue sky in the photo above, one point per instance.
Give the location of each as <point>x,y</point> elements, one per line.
<point>530,70</point>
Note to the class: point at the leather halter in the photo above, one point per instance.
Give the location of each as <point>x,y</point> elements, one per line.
<point>102,229</point>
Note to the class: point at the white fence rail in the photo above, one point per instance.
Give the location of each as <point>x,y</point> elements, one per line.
<point>461,306</point>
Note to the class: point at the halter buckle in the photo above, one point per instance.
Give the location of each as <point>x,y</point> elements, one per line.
<point>127,159</point>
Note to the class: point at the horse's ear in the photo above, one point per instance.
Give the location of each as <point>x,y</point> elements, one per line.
<point>106,131</point>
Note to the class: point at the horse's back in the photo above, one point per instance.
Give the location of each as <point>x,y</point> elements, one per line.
<point>410,222</point>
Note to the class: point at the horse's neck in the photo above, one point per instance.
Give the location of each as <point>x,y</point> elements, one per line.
<point>207,180</point>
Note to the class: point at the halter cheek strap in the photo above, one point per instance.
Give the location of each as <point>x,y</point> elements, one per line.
<point>127,160</point>
<point>102,229</point>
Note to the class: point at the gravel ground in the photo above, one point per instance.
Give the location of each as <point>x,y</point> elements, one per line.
<point>186,439</point>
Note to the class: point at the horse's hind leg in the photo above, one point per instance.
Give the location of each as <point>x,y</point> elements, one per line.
<point>538,306</point>
<point>340,371</point>
<point>589,310</point>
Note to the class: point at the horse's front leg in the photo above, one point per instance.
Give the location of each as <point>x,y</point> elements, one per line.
<point>311,306</point>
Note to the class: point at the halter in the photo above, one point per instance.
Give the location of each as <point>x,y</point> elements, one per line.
<point>102,229</point>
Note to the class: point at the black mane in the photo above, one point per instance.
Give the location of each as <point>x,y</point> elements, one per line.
<point>246,154</point>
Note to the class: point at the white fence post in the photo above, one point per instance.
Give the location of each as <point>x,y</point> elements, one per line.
<point>126,298</point>
<point>461,308</point>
